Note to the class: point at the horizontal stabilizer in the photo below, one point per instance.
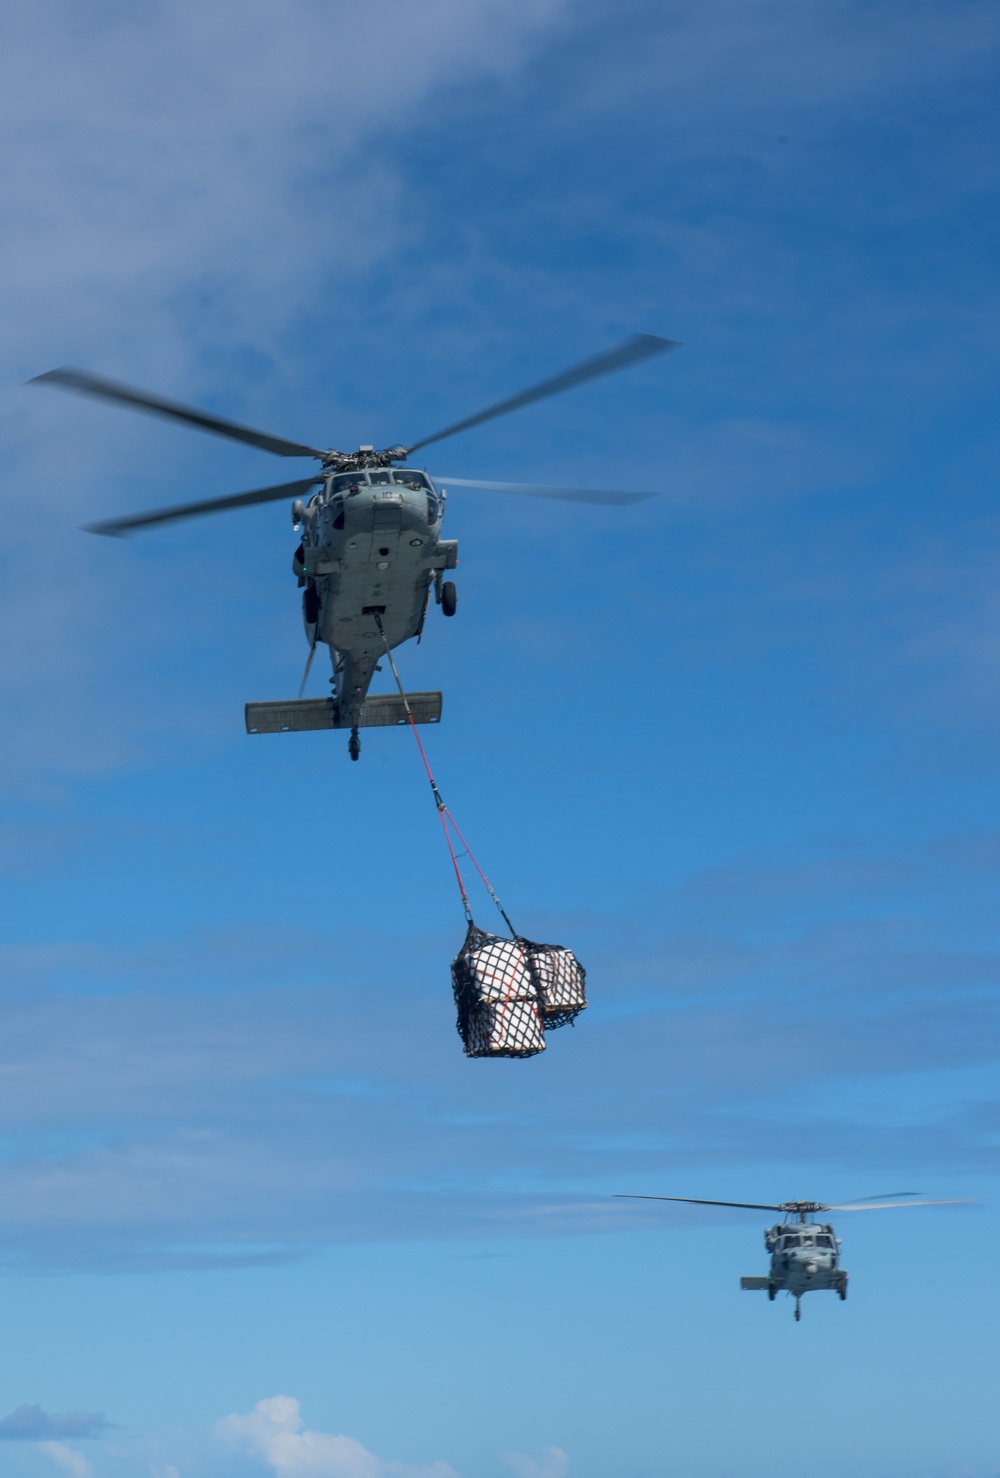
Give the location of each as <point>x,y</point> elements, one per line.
<point>383,710</point>
<point>756,1285</point>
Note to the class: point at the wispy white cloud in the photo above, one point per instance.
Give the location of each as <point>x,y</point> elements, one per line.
<point>275,1432</point>
<point>193,162</point>
<point>65,1458</point>
<point>552,1462</point>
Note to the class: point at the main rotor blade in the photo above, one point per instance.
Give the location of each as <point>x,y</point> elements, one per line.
<point>891,1205</point>
<point>640,346</point>
<point>691,1201</point>
<point>96,385</point>
<point>886,1196</point>
<point>309,663</point>
<point>532,490</point>
<point>117,528</point>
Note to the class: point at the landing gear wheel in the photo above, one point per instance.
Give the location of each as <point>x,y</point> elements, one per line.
<point>354,745</point>
<point>842,1290</point>
<point>771,1291</point>
<point>798,1311</point>
<point>449,599</point>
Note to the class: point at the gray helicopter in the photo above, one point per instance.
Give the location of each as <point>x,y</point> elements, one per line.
<point>371,550</point>
<point>805,1255</point>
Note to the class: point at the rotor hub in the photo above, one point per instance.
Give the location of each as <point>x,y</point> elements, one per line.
<point>802,1209</point>
<point>365,456</point>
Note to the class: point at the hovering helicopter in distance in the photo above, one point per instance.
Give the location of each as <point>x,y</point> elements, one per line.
<point>805,1255</point>
<point>371,548</point>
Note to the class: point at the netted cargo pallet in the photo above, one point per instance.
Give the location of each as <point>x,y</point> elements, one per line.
<point>560,983</point>
<point>504,1029</point>
<point>496,997</point>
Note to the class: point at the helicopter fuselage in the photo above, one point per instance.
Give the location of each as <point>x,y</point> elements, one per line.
<point>805,1256</point>
<point>371,546</point>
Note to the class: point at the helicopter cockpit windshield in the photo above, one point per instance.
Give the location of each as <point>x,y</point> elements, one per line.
<point>347,482</point>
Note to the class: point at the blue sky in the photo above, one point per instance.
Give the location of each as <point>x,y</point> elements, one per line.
<point>737,746</point>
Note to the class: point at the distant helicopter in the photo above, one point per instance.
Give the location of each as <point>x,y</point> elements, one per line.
<point>371,548</point>
<point>805,1255</point>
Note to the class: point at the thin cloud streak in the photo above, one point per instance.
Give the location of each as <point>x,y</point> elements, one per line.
<point>32,1424</point>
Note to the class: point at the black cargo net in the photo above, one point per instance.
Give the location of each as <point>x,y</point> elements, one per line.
<point>498,1009</point>
<point>509,992</point>
<point>560,981</point>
